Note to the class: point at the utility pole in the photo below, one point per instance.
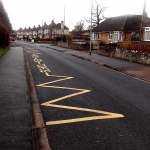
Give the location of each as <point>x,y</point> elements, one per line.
<point>91,29</point>
<point>141,27</point>
<point>64,22</point>
<point>64,15</point>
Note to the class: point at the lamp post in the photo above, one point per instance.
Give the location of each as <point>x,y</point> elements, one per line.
<point>91,29</point>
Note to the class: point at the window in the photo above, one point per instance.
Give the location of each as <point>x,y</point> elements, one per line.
<point>147,34</point>
<point>117,36</point>
<point>110,36</point>
<point>98,36</point>
<point>94,36</point>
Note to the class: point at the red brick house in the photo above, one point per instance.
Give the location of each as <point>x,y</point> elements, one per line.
<point>119,29</point>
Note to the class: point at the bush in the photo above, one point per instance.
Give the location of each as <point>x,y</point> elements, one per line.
<point>69,37</point>
<point>4,36</point>
<point>134,36</point>
<point>58,39</point>
<point>87,38</point>
<point>64,38</point>
<point>145,48</point>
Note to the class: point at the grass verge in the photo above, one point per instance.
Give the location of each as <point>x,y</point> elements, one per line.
<point>3,51</point>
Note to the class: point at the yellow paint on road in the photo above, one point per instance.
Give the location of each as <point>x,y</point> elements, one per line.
<point>42,67</point>
<point>109,116</point>
<point>98,114</point>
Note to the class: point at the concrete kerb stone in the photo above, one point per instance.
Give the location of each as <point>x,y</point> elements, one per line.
<point>40,139</point>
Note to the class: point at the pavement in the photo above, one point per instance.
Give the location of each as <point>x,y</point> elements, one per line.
<point>15,131</point>
<point>22,125</point>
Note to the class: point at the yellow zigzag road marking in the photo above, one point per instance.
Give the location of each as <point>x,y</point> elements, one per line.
<point>81,91</point>
<point>44,69</point>
<point>106,115</point>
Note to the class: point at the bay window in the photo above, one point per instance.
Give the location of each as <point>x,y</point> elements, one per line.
<point>117,36</point>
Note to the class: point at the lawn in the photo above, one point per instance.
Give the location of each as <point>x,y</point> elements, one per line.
<point>3,51</point>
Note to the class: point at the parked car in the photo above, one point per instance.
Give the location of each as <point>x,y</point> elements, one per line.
<point>11,39</point>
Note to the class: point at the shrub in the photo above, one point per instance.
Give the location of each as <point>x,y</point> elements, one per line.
<point>134,36</point>
<point>69,37</point>
<point>4,36</point>
<point>58,39</point>
<point>135,46</point>
<point>64,38</point>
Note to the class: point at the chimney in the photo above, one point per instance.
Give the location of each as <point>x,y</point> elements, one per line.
<point>62,25</point>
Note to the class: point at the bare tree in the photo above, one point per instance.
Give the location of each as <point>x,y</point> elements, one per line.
<point>78,28</point>
<point>97,14</point>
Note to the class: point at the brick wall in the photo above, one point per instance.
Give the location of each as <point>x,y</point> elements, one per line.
<point>75,46</point>
<point>128,55</point>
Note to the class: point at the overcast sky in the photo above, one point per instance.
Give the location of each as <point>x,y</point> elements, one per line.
<point>25,13</point>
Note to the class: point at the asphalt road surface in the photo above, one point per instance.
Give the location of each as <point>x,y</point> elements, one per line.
<point>89,107</point>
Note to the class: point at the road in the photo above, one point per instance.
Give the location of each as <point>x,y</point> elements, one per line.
<point>87,106</point>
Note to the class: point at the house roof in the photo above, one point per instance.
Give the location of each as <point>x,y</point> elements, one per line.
<point>34,28</point>
<point>25,29</point>
<point>58,26</point>
<point>147,23</point>
<point>45,26</point>
<point>20,29</point>
<point>133,23</point>
<point>39,27</point>
<point>128,23</point>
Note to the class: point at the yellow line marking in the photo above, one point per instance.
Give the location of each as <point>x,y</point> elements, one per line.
<point>77,108</point>
<point>82,91</point>
<point>64,78</point>
<point>104,115</point>
<point>110,116</point>
<point>65,97</point>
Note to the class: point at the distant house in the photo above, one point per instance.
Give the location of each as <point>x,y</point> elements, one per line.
<point>34,32</point>
<point>120,29</point>
<point>58,29</point>
<point>40,31</point>
<point>25,32</point>
<point>44,32</point>
<point>20,33</point>
<point>30,33</point>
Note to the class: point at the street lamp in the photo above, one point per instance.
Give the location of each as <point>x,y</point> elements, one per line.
<point>91,29</point>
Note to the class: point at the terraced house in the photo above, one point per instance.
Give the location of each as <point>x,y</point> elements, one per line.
<point>44,32</point>
<point>122,28</point>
